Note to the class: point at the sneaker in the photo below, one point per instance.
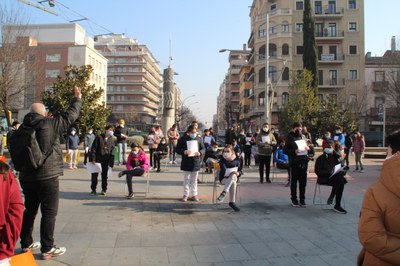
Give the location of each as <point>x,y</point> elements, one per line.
<point>268,180</point>
<point>119,174</point>
<point>93,193</point>
<point>339,209</point>
<point>171,162</point>
<point>361,171</point>
<point>103,193</point>
<point>355,170</point>
<point>184,198</point>
<point>158,170</point>
<point>329,201</point>
<point>54,252</point>
<point>303,204</point>
<point>130,196</point>
<point>234,206</point>
<point>295,203</point>
<point>195,198</point>
<point>75,167</point>
<point>222,196</point>
<point>33,246</point>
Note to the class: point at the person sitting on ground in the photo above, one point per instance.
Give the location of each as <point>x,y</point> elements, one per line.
<point>379,224</point>
<point>282,160</point>
<point>160,153</point>
<point>325,170</point>
<point>137,165</point>
<point>211,156</point>
<point>228,160</point>
<point>11,212</point>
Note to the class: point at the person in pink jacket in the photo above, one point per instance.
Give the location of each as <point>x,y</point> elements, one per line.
<point>11,212</point>
<point>137,165</point>
<point>358,149</point>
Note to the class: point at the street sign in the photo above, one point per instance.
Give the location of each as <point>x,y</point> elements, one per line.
<point>380,109</point>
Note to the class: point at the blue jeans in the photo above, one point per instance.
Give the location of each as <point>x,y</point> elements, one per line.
<point>46,195</point>
<point>122,152</point>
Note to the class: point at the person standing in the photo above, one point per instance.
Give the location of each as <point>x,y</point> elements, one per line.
<point>173,136</point>
<point>88,141</point>
<point>358,149</point>
<point>265,141</point>
<point>191,161</point>
<point>152,140</point>
<point>296,148</point>
<point>15,125</point>
<point>72,145</point>
<point>41,187</point>
<point>379,222</point>
<point>102,152</point>
<point>247,149</point>
<point>339,136</point>
<point>348,144</point>
<point>121,132</point>
<point>11,212</point>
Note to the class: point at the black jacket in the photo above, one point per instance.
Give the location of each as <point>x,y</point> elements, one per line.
<point>325,165</point>
<point>291,147</point>
<point>224,164</point>
<point>121,130</point>
<point>162,149</point>
<point>48,131</point>
<point>189,163</point>
<point>211,154</point>
<point>102,150</point>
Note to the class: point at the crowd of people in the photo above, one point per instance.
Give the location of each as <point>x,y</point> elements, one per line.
<point>377,228</point>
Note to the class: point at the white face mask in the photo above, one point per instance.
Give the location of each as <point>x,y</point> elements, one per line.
<point>90,132</point>
<point>73,132</point>
<point>328,150</point>
<point>214,150</point>
<point>227,155</point>
<point>265,129</point>
<point>162,142</point>
<point>134,152</point>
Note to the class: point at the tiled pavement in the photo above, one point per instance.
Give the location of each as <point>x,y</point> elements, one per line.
<point>161,230</point>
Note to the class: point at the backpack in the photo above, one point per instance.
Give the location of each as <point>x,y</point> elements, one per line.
<point>25,151</point>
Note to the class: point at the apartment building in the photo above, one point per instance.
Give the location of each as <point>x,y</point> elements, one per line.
<point>339,29</point>
<point>52,47</point>
<point>245,89</point>
<point>134,81</point>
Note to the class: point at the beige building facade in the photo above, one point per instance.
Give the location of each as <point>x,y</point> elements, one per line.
<point>134,81</point>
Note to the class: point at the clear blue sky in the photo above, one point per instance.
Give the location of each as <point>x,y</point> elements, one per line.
<point>198,30</point>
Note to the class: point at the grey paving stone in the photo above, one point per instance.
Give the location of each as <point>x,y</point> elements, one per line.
<point>258,251</point>
<point>280,261</point>
<point>98,227</point>
<point>205,226</point>
<point>232,252</point>
<point>97,256</point>
<point>103,240</point>
<point>311,261</point>
<point>184,227</point>
<point>76,227</point>
<point>208,253</point>
<point>153,256</point>
<point>128,239</point>
<point>256,263</point>
<point>79,240</point>
<point>126,256</point>
<point>306,247</point>
<point>337,259</point>
<point>184,255</point>
<point>246,236</point>
<point>283,248</point>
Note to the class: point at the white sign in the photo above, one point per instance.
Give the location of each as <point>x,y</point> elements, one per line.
<point>327,57</point>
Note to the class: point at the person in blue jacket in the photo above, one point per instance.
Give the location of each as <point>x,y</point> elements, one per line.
<point>339,136</point>
<point>72,146</point>
<point>282,160</point>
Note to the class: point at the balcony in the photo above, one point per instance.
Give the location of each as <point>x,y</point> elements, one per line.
<point>250,42</point>
<point>328,12</point>
<point>330,34</point>
<point>380,86</point>
<point>331,58</point>
<point>331,83</point>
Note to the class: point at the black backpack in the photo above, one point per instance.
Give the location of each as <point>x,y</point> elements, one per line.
<point>25,151</point>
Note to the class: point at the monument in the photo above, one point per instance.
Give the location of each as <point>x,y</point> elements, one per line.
<point>169,105</point>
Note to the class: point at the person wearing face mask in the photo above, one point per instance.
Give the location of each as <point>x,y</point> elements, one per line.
<point>211,156</point>
<point>339,136</point>
<point>122,133</point>
<point>228,160</point>
<point>102,152</point>
<point>298,163</point>
<point>190,147</point>
<point>137,164</point>
<point>72,145</point>
<point>87,142</point>
<point>265,141</point>
<point>324,169</point>
<point>359,149</point>
<point>161,152</point>
<point>379,222</point>
<point>247,144</point>
<point>152,140</point>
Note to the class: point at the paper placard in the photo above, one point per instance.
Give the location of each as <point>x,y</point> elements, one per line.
<point>337,169</point>
<point>302,147</point>
<point>336,138</point>
<point>93,168</point>
<point>207,139</point>
<point>193,147</point>
<point>229,171</point>
<point>109,172</point>
<point>248,139</point>
<point>265,139</point>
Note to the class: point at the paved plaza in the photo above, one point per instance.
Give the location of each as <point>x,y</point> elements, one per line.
<point>161,230</point>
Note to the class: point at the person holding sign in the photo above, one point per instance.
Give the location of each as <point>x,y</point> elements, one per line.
<point>265,142</point>
<point>297,149</point>
<point>190,147</point>
<point>328,168</point>
<point>229,175</point>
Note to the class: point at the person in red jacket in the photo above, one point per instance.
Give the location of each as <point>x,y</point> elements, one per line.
<point>11,212</point>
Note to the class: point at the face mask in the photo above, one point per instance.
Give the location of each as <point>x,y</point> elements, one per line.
<point>265,129</point>
<point>162,142</point>
<point>272,131</point>
<point>90,132</point>
<point>227,155</point>
<point>327,136</point>
<point>134,152</point>
<point>328,150</point>
<point>111,133</point>
<point>193,135</point>
<point>214,150</point>
<point>338,132</point>
<point>73,132</point>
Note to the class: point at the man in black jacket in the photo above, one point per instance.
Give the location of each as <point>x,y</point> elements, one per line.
<point>41,187</point>
<point>121,132</point>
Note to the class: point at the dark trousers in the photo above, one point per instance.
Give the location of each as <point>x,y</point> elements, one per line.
<point>298,174</point>
<point>264,160</point>
<point>104,178</point>
<point>247,159</point>
<point>346,159</point>
<point>157,160</point>
<point>172,152</point>
<point>85,158</point>
<point>129,174</point>
<point>46,195</point>
<point>337,182</point>
<point>151,151</point>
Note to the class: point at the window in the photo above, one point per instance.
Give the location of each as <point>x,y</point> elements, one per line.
<point>31,57</point>
<point>52,73</point>
<point>299,5</point>
<point>379,76</point>
<point>320,97</point>
<point>285,98</point>
<point>262,31</point>
<point>319,29</point>
<point>318,7</point>
<point>352,26</point>
<point>285,74</point>
<point>353,49</point>
<point>352,4</point>
<point>261,98</point>
<point>299,49</point>
<point>285,27</point>
<point>273,73</point>
<point>285,49</point>
<point>273,7</point>
<point>299,27</point>
<point>353,74</point>
<point>353,98</point>
<point>261,75</point>
<point>53,57</point>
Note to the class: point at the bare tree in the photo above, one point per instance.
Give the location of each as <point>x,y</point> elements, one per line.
<point>16,67</point>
